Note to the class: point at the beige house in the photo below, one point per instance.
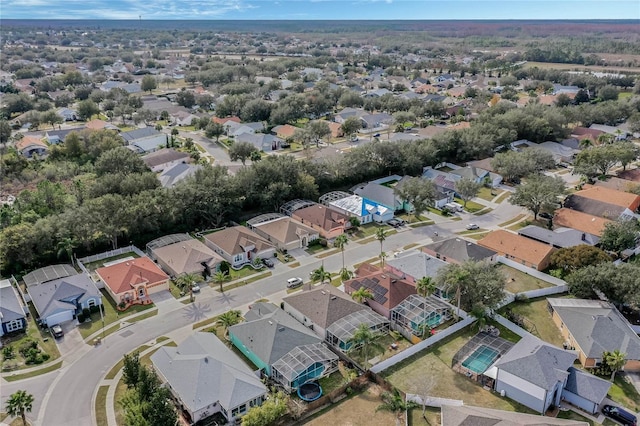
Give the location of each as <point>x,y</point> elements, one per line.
<point>239,245</point>
<point>592,327</point>
<point>286,233</point>
<point>518,248</point>
<point>187,257</point>
<point>327,222</point>
<point>132,281</point>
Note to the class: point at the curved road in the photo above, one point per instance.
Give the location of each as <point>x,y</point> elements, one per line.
<point>65,397</point>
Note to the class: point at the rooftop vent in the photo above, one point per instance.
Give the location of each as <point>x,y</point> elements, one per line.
<point>281,329</point>
<point>334,297</point>
<point>270,322</point>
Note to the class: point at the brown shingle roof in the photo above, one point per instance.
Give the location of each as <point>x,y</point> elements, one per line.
<point>611,196</point>
<point>187,256</point>
<point>232,240</point>
<point>285,230</point>
<point>125,275</point>
<point>505,242</point>
<point>285,131</point>
<point>323,305</point>
<point>164,155</point>
<point>388,289</point>
<point>322,216</point>
<point>580,221</point>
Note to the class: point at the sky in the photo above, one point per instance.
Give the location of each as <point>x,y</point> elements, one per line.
<point>319,9</point>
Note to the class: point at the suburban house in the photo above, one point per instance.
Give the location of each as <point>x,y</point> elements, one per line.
<point>582,133</point>
<point>132,281</point>
<point>467,415</point>
<point>579,221</point>
<point>67,114</point>
<point>206,378</point>
<point>282,231</point>
<point>165,158</point>
<point>62,299</point>
<point>458,250</point>
<point>55,137</point>
<point>327,222</point>
<point>97,124</point>
<point>284,131</point>
<point>533,373</point>
<point>559,237</point>
<point>413,265</point>
<point>144,140</point>
<point>281,347</point>
<point>239,245</point>
<point>585,391</point>
<point>332,315</point>
<point>381,194</point>
<point>591,327</point>
<point>388,289</point>
<point>604,202</point>
<point>29,146</point>
<point>561,154</point>
<point>13,311</point>
<point>336,129</point>
<point>173,175</point>
<point>346,113</point>
<point>518,248</point>
<point>364,210</point>
<point>187,256</point>
<point>261,141</point>
<point>376,121</point>
<point>617,183</point>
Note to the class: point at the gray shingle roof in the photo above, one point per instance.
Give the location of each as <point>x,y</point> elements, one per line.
<point>467,415</point>
<point>417,264</point>
<point>593,207</point>
<point>324,304</point>
<point>203,370</point>
<point>560,237</point>
<point>171,176</point>
<point>133,135</point>
<point>62,294</point>
<point>587,385</point>
<point>10,304</point>
<point>537,362</point>
<point>460,250</point>
<point>379,193</point>
<point>273,336</point>
<point>597,327</point>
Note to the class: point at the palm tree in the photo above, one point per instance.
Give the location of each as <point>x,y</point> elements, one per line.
<point>229,319</point>
<point>586,143</point>
<point>458,279</point>
<point>19,403</point>
<point>362,340</point>
<point>345,274</point>
<point>394,402</point>
<point>425,286</point>
<point>361,295</point>
<point>219,278</point>
<point>340,242</point>
<point>187,281</point>
<point>480,313</point>
<point>424,329</point>
<point>615,361</point>
<point>320,275</point>
<point>66,246</point>
<point>381,235</point>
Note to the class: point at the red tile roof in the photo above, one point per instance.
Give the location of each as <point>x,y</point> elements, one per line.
<point>125,275</point>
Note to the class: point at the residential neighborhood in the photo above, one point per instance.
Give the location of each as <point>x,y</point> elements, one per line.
<point>279,225</point>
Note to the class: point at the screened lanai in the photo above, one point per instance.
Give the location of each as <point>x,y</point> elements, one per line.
<point>165,241</point>
<point>302,364</point>
<point>416,315</point>
<point>340,332</point>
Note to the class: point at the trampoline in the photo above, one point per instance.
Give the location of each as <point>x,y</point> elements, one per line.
<point>480,359</point>
<point>310,391</point>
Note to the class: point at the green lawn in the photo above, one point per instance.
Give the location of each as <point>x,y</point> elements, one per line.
<point>249,280</point>
<point>536,314</point>
<point>45,341</point>
<point>473,231</point>
<point>503,197</point>
<point>101,406</point>
<point>542,223</point>
<point>624,393</point>
<point>518,281</point>
<point>92,266</point>
<point>47,369</point>
<point>245,271</point>
<point>368,230</point>
<point>111,315</point>
<point>327,253</point>
<point>488,194</point>
<point>434,365</point>
<point>512,221</point>
<point>477,236</point>
<point>332,382</point>
<point>472,207</point>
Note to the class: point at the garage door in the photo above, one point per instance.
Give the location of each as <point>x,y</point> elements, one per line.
<point>59,317</point>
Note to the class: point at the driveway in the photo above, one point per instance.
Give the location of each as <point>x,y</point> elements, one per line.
<point>71,340</point>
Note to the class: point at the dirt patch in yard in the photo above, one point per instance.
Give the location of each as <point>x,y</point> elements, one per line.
<point>359,410</point>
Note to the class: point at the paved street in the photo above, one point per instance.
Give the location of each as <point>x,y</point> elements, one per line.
<point>74,386</point>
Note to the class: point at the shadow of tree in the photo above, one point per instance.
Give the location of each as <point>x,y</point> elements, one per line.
<point>197,311</point>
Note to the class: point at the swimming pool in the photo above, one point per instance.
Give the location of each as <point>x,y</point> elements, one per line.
<point>480,359</point>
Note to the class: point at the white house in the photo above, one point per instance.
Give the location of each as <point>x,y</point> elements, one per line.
<point>533,373</point>
<point>364,210</point>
